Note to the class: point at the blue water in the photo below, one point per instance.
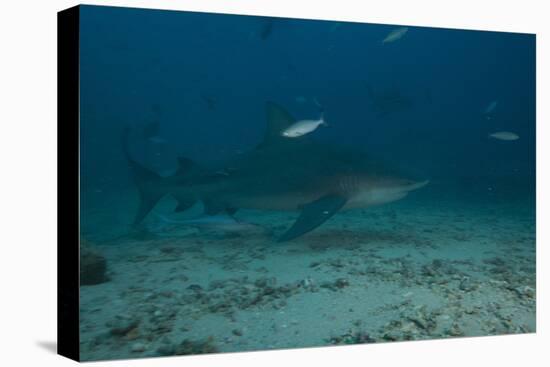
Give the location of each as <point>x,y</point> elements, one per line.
<point>417,103</point>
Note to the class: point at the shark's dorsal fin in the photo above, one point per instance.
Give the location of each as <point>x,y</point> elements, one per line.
<point>314,214</point>
<point>278,119</point>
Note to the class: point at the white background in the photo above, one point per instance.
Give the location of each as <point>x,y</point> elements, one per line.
<point>28,181</point>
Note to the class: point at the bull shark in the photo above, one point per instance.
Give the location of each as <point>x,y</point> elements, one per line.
<point>298,174</point>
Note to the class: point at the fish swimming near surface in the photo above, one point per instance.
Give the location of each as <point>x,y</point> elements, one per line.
<point>395,35</point>
<point>300,175</point>
<point>504,135</point>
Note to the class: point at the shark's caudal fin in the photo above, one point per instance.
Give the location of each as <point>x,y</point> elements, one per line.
<point>150,184</point>
<point>313,215</point>
<point>146,180</point>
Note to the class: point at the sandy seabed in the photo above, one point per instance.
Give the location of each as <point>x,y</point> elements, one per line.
<point>411,270</point>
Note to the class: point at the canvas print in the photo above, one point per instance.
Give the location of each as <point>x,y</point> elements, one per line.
<point>255,183</point>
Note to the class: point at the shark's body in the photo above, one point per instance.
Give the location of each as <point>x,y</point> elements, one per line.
<point>280,174</point>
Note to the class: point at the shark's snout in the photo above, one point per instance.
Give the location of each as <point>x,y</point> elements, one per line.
<point>385,190</point>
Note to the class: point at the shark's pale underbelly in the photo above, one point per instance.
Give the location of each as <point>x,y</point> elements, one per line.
<point>373,199</point>
<point>296,201</point>
<point>272,202</point>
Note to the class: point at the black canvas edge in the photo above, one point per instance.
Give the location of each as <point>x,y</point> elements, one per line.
<point>68,237</point>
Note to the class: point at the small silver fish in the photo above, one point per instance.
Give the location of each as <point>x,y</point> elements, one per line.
<point>504,135</point>
<point>303,127</point>
<point>395,35</point>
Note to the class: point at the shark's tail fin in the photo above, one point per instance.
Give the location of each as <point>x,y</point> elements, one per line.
<point>148,182</point>
<point>152,187</point>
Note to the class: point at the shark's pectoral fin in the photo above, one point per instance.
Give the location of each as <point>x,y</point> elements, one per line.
<point>313,215</point>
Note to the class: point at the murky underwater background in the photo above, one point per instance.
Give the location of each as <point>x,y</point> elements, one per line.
<point>455,258</point>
